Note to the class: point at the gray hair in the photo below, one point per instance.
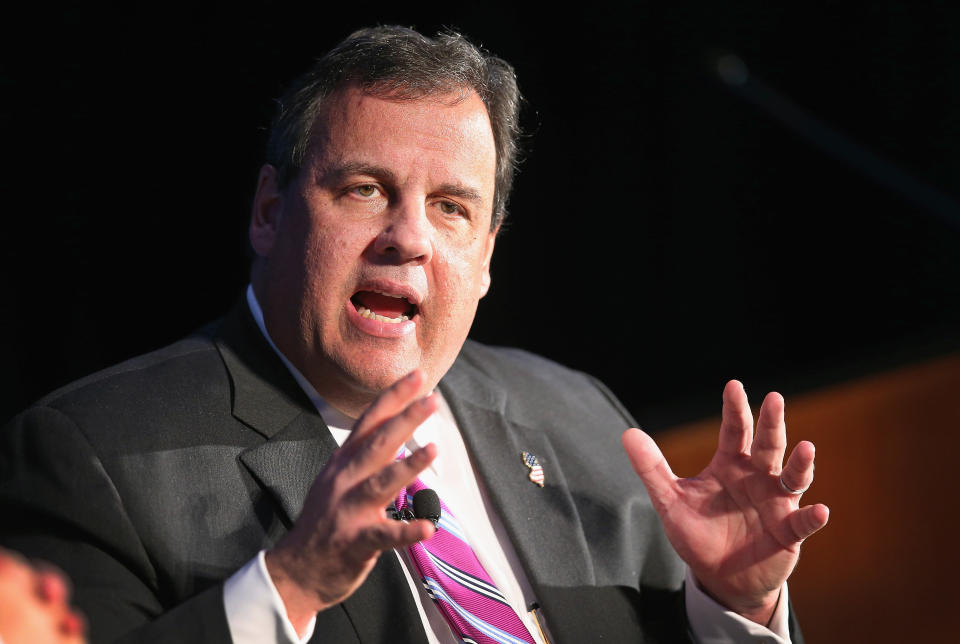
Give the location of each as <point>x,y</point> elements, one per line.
<point>401,64</point>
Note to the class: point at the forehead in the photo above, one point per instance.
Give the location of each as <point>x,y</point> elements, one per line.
<point>443,137</point>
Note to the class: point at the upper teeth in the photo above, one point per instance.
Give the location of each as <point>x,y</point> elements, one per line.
<point>399,297</point>
<point>370,315</point>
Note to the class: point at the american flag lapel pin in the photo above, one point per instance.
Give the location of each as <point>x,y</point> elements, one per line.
<point>536,471</point>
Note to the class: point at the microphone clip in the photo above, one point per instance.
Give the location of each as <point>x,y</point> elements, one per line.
<point>401,515</point>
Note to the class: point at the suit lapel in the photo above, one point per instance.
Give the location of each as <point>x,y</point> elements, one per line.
<point>532,515</point>
<point>287,464</point>
<point>266,398</point>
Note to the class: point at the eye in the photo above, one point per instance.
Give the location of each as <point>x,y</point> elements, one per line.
<point>449,208</point>
<point>366,190</point>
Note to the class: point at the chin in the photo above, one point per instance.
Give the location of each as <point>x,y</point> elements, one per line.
<point>370,368</point>
<point>372,375</point>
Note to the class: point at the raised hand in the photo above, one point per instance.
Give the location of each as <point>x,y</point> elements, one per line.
<point>34,604</point>
<point>343,527</point>
<point>738,525</point>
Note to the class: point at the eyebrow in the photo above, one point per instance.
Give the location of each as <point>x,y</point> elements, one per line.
<point>463,192</point>
<point>335,172</point>
<point>338,171</point>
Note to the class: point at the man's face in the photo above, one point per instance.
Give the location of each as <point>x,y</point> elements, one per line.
<point>374,259</point>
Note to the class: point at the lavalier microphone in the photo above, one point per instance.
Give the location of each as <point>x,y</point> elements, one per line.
<point>426,505</point>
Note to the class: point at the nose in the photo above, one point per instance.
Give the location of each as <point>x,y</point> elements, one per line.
<point>407,235</point>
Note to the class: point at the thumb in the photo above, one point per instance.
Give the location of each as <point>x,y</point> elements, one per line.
<point>649,464</point>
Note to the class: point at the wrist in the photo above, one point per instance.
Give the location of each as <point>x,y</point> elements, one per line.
<point>756,608</point>
<point>300,604</point>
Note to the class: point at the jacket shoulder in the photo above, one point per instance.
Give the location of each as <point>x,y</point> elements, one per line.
<point>543,382</point>
<point>162,393</point>
<point>512,363</point>
<point>167,357</point>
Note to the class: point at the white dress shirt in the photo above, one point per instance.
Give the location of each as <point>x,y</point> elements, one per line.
<point>256,614</point>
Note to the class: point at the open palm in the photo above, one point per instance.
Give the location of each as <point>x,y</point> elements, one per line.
<point>738,525</point>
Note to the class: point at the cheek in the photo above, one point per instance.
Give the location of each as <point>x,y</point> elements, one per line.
<point>330,262</point>
<point>473,268</point>
<point>464,283</point>
<point>322,260</point>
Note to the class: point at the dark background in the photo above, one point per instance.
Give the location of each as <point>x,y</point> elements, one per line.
<point>665,234</point>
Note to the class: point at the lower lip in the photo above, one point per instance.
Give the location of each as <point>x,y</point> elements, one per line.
<point>377,328</point>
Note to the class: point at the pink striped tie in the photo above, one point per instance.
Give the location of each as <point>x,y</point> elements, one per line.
<point>456,581</point>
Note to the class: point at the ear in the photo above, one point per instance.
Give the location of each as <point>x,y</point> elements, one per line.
<point>267,209</point>
<point>488,255</point>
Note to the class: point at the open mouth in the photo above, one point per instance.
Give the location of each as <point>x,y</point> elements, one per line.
<point>383,307</point>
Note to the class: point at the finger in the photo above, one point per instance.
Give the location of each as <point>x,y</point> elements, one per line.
<point>650,465</point>
<point>736,428</point>
<point>808,520</point>
<point>382,445</point>
<point>52,587</point>
<point>389,534</point>
<point>389,403</point>
<point>770,441</point>
<point>10,560</point>
<point>15,569</point>
<point>382,487</point>
<point>798,472</point>
<point>73,623</point>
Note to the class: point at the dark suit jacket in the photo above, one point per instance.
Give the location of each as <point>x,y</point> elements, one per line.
<point>153,481</point>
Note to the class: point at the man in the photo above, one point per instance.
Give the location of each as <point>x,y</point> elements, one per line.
<point>373,225</point>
